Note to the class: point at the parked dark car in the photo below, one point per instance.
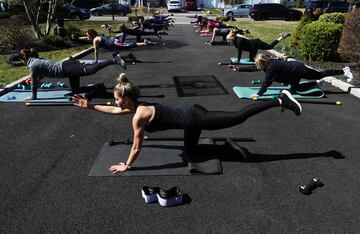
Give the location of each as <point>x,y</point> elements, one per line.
<point>111,9</point>
<point>88,4</point>
<point>190,5</point>
<point>70,11</point>
<point>328,6</point>
<point>267,11</point>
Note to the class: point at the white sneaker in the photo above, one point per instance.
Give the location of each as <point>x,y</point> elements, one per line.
<point>320,82</point>
<point>348,74</point>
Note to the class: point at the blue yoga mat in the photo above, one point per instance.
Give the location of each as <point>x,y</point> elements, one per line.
<point>273,92</point>
<point>18,95</point>
<point>242,61</point>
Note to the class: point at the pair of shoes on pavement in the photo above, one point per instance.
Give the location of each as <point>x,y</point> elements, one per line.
<point>132,57</point>
<point>348,74</point>
<point>289,102</point>
<point>169,197</point>
<point>119,61</point>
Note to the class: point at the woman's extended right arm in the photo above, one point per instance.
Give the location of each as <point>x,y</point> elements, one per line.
<point>84,103</point>
<point>96,43</point>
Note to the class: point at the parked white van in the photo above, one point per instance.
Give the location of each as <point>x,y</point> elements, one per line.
<point>174,5</point>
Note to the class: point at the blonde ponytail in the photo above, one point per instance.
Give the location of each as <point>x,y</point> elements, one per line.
<point>261,61</point>
<point>125,88</point>
<point>122,78</point>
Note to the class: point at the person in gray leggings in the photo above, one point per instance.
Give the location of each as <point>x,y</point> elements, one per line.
<point>71,68</point>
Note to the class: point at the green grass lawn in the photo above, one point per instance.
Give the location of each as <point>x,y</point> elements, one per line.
<point>9,74</point>
<point>266,30</point>
<point>213,11</point>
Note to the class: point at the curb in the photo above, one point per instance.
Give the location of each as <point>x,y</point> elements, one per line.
<point>12,86</point>
<point>351,89</point>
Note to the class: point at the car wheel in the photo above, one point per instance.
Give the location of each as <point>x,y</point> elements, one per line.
<point>96,13</point>
<point>292,18</point>
<point>75,17</point>
<point>122,13</point>
<point>230,14</point>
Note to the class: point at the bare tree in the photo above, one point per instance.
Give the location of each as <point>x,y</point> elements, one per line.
<point>50,15</point>
<point>33,9</point>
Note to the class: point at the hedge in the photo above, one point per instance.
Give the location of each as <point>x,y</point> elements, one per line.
<point>336,17</point>
<point>320,40</point>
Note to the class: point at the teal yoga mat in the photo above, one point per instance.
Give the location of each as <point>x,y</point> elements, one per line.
<point>272,92</point>
<point>242,61</point>
<point>18,95</point>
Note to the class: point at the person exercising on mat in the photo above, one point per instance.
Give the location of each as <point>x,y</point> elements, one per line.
<point>192,118</point>
<point>136,31</point>
<point>252,45</point>
<point>291,72</point>
<point>71,68</point>
<point>107,43</point>
<point>224,32</point>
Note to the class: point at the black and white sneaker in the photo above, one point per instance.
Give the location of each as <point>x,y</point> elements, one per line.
<point>118,60</point>
<point>289,102</point>
<point>284,35</point>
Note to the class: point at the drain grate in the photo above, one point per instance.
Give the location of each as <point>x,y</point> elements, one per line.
<point>188,86</point>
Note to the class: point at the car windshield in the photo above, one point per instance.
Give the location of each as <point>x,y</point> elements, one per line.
<point>174,2</point>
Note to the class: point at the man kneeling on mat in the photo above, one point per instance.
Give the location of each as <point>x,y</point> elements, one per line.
<point>72,68</point>
<point>152,117</point>
<point>291,72</point>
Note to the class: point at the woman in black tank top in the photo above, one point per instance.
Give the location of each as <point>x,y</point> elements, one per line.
<point>192,118</point>
<point>252,45</point>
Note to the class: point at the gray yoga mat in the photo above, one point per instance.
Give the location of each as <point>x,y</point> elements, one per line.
<point>156,158</point>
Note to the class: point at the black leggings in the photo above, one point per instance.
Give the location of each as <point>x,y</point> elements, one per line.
<point>214,120</point>
<point>139,33</point>
<point>74,70</point>
<point>312,74</point>
<point>257,44</point>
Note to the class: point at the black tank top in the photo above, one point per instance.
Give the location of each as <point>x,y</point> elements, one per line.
<point>167,117</point>
<point>244,43</point>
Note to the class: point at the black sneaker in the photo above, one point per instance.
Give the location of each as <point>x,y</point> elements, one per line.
<point>132,57</point>
<point>118,60</point>
<point>284,35</point>
<point>289,102</point>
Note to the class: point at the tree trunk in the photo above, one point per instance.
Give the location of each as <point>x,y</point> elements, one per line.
<point>50,15</point>
<point>33,20</point>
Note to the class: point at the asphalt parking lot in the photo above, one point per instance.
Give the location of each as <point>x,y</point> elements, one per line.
<point>47,152</point>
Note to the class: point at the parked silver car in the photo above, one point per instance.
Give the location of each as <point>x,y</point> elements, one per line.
<point>238,10</point>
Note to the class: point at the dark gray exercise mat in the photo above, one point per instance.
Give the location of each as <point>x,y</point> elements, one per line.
<point>156,158</point>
